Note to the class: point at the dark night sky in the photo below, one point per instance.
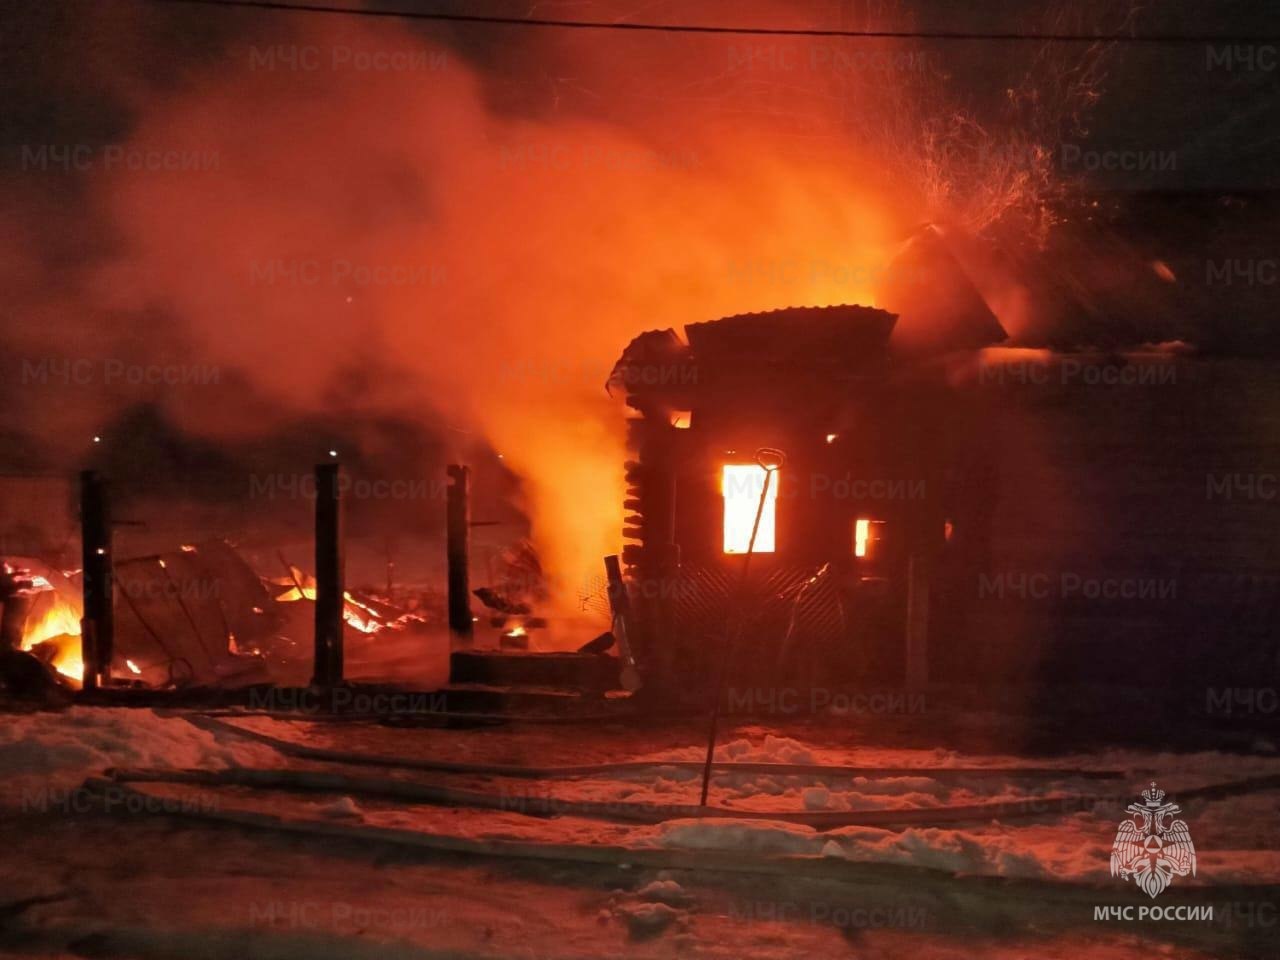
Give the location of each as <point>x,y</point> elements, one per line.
<point>67,67</point>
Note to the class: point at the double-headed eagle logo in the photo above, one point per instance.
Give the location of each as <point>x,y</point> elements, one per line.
<point>1150,851</point>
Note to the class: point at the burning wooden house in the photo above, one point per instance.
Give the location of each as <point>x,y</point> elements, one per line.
<point>791,448</point>
<point>865,507</point>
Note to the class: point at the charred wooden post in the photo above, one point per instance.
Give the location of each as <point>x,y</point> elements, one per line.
<point>458,549</point>
<point>329,576</point>
<point>13,619</point>
<point>652,562</point>
<point>97,627</point>
<point>620,606</point>
<point>664,561</point>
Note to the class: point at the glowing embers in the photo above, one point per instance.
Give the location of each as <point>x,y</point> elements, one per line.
<point>741,485</point>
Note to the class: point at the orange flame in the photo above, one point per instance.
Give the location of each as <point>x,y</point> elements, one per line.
<point>357,615</point>
<point>58,626</point>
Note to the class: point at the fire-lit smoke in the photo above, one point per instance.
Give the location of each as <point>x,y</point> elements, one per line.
<point>419,229</point>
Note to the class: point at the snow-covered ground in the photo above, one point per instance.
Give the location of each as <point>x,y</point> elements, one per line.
<point>1069,837</point>
<point>57,751</point>
<point>156,886</point>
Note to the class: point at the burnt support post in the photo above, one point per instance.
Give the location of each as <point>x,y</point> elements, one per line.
<point>329,576</point>
<point>16,604</point>
<point>458,550</point>
<point>97,627</point>
<point>660,644</point>
<point>620,606</point>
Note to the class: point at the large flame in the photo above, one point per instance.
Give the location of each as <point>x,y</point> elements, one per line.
<point>55,623</point>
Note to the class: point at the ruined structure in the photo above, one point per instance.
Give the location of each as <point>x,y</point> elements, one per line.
<point>945,507</point>
<point>875,501</point>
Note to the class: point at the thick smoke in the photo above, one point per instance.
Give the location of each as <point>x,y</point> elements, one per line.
<point>349,222</point>
<point>353,219</point>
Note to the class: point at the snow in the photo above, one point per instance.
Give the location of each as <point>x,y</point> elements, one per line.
<point>664,891</point>
<point>954,851</point>
<point>1073,848</point>
<point>58,750</point>
<point>651,909</point>
<point>340,809</point>
<point>753,836</point>
<point>832,849</point>
<point>815,798</point>
<point>1068,842</point>
<point>645,920</point>
<point>773,749</point>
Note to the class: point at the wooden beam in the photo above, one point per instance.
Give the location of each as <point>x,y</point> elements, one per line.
<point>329,576</point>
<point>97,627</point>
<point>458,550</point>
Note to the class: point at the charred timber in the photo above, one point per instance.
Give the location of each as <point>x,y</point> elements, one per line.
<point>458,549</point>
<point>97,628</point>
<point>329,577</point>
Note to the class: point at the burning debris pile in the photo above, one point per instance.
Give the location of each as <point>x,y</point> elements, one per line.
<point>518,591</point>
<point>200,615</point>
<point>41,616</point>
<point>366,614</point>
